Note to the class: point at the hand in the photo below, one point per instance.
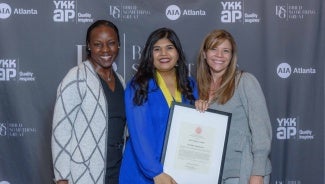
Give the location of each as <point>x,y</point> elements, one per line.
<point>164,178</point>
<point>62,182</point>
<point>256,180</point>
<point>201,105</point>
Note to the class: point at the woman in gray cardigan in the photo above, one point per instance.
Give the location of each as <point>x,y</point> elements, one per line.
<point>222,86</point>
<point>89,114</point>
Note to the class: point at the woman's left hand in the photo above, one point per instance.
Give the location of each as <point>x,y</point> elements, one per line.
<point>201,105</point>
<point>256,180</point>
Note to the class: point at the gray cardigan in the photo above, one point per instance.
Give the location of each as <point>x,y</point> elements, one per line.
<point>79,132</point>
<point>250,132</point>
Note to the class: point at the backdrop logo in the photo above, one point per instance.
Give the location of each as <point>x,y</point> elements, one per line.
<point>15,130</point>
<point>232,12</point>
<point>284,70</point>
<point>3,130</point>
<point>9,71</point>
<point>288,129</point>
<point>5,11</point>
<point>281,11</point>
<point>293,12</point>
<point>115,12</point>
<point>287,182</point>
<point>4,182</point>
<point>173,12</point>
<point>64,11</point>
<point>127,12</point>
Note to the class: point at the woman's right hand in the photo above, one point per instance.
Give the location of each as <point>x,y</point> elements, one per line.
<point>201,105</point>
<point>164,178</point>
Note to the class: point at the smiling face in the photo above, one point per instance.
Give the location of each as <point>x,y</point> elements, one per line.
<point>165,55</point>
<point>104,46</point>
<point>218,58</point>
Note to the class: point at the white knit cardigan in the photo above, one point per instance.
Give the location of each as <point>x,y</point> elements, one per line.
<point>79,132</point>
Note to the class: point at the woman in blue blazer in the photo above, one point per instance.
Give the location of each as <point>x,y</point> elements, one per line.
<point>162,77</point>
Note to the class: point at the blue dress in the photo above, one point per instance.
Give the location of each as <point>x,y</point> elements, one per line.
<point>147,126</point>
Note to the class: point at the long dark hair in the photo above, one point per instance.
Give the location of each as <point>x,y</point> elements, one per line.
<point>97,24</point>
<point>146,69</point>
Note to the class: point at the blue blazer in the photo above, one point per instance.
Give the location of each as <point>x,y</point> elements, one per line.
<point>147,126</point>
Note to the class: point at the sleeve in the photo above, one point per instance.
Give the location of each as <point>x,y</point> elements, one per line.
<point>141,130</point>
<point>259,123</point>
<point>67,103</point>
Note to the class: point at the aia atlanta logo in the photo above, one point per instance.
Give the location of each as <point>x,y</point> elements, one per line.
<point>284,70</point>
<point>6,11</point>
<point>173,12</point>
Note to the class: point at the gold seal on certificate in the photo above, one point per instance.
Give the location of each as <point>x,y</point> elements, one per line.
<point>195,144</point>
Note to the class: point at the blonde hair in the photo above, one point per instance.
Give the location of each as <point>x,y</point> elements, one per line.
<point>204,77</point>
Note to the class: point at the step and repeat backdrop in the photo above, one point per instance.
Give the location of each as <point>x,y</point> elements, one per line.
<point>282,42</point>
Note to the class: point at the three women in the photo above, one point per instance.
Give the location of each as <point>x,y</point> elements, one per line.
<point>89,118</point>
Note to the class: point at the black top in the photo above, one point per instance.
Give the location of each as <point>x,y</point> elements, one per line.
<point>115,127</point>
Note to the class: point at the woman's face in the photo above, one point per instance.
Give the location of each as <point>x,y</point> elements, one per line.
<point>219,58</point>
<point>104,46</point>
<point>165,55</point>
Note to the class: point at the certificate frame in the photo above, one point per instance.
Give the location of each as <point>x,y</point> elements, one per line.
<point>195,144</point>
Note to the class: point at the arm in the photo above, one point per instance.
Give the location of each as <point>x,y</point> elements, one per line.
<point>259,123</point>
<point>66,107</point>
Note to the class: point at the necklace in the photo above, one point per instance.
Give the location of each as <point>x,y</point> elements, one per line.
<point>109,78</point>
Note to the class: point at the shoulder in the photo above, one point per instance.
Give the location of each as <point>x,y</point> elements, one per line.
<point>246,78</point>
<point>78,73</point>
<point>71,75</point>
<point>249,86</point>
<point>80,68</point>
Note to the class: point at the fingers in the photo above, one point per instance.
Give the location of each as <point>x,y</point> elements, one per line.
<point>164,178</point>
<point>173,181</point>
<point>201,105</point>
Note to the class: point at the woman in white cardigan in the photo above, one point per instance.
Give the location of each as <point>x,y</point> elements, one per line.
<point>89,115</point>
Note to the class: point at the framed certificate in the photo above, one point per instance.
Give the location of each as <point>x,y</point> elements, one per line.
<point>195,144</point>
